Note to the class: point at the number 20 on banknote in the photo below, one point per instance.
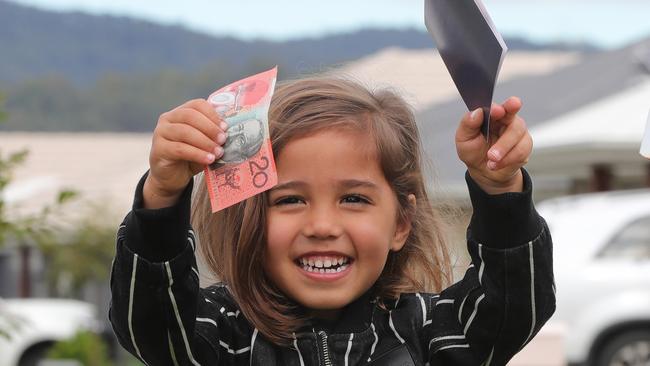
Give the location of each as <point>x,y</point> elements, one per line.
<point>247,166</point>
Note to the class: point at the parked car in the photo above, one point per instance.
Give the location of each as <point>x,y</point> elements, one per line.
<point>602,275</point>
<point>34,325</point>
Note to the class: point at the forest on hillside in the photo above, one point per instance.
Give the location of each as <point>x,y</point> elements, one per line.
<point>70,71</point>
<point>116,102</point>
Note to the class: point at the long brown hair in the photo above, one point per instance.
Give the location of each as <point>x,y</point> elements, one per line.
<point>233,241</point>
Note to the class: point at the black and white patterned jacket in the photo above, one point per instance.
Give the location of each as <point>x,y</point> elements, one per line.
<point>161,316</point>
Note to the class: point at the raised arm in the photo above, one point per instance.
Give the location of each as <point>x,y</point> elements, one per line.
<point>506,295</point>
<point>155,286</point>
<point>154,280</point>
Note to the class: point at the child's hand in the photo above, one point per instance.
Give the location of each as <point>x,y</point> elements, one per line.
<point>495,167</point>
<point>185,140</point>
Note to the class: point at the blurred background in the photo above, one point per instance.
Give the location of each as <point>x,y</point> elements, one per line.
<point>82,84</point>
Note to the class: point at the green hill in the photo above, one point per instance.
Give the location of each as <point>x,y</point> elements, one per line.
<point>82,47</point>
<point>70,71</point>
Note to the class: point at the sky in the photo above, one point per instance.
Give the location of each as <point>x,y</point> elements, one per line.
<point>605,23</point>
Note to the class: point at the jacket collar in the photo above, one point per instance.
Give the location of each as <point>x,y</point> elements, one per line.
<point>354,318</point>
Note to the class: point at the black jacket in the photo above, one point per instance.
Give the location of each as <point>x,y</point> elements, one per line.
<point>161,316</point>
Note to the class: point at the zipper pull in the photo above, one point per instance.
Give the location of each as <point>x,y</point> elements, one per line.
<point>324,348</point>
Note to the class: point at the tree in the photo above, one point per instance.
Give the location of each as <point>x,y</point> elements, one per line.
<point>23,231</point>
<point>85,347</point>
<point>79,256</point>
<point>7,323</point>
<point>7,165</point>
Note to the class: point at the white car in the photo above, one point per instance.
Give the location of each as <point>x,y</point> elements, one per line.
<point>602,274</point>
<point>35,324</point>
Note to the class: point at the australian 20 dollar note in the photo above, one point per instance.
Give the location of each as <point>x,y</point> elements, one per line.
<point>247,166</point>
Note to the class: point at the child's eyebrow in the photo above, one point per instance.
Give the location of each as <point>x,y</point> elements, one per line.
<point>293,184</point>
<point>354,183</point>
<point>346,183</point>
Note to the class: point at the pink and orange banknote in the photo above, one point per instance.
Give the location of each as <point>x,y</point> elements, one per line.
<point>247,166</point>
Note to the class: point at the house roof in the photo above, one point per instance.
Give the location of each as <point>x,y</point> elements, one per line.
<point>103,168</point>
<point>595,77</point>
<point>606,131</point>
<point>421,77</point>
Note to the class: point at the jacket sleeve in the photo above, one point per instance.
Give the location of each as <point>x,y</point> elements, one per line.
<point>507,293</point>
<point>155,286</point>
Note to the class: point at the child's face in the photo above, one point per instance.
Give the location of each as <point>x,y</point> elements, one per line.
<point>332,210</point>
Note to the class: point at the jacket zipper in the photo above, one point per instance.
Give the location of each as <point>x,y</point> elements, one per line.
<point>324,349</point>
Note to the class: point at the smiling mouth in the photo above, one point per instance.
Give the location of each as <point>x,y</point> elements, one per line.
<point>324,264</point>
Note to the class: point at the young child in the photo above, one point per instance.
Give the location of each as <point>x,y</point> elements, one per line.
<point>344,261</point>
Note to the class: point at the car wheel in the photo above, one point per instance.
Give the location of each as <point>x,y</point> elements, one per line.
<point>35,354</point>
<point>626,349</point>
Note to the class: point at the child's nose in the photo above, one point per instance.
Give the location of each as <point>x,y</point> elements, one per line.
<point>323,223</point>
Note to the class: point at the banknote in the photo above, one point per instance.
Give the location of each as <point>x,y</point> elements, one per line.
<point>247,166</point>
<point>471,48</point>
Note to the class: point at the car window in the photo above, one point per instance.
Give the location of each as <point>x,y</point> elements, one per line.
<point>633,241</point>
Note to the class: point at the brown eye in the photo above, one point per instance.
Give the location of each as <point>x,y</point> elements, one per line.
<point>289,200</point>
<point>355,199</point>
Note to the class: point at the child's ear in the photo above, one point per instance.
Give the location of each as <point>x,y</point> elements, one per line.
<point>403,228</point>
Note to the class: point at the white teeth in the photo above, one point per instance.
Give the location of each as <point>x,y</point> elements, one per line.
<point>325,270</point>
<point>324,264</point>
